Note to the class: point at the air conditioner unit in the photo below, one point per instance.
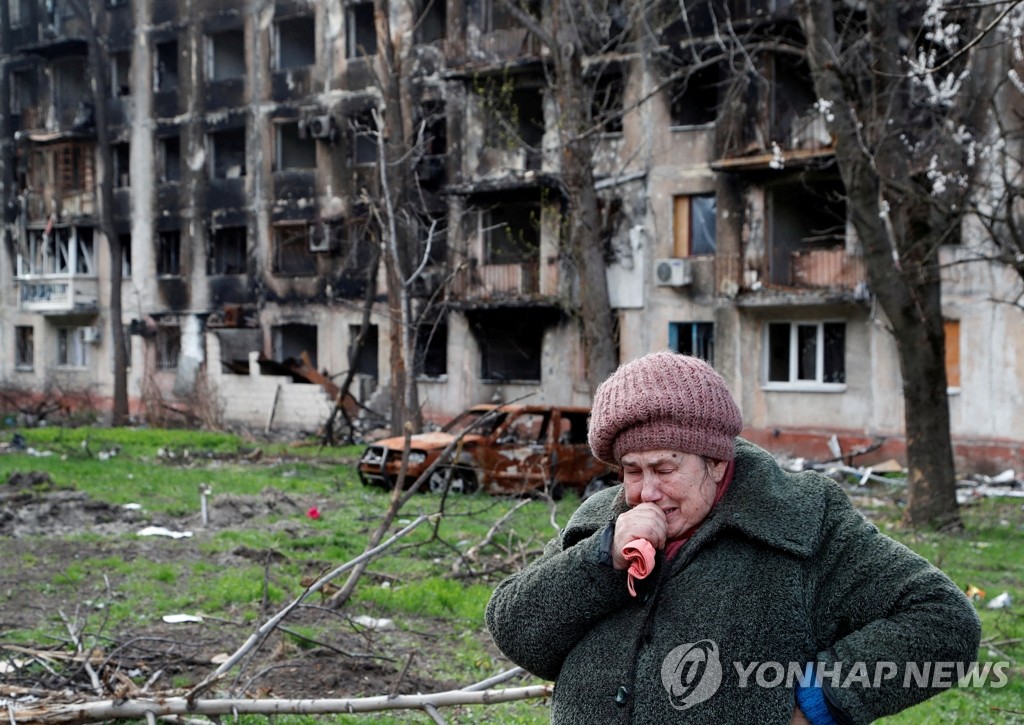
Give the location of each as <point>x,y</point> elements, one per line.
<point>673,272</point>
<point>319,239</point>
<point>319,126</point>
<point>91,335</point>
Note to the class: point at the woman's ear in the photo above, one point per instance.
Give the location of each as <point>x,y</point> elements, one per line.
<point>718,469</point>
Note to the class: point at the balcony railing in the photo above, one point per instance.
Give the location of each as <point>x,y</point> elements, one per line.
<point>827,268</point>
<point>57,293</point>
<point>498,281</point>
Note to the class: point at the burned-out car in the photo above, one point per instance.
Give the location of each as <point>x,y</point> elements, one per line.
<point>502,449</point>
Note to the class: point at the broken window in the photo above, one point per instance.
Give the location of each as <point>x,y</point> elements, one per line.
<point>693,225</point>
<point>511,233</point>
<point>693,338</point>
<point>362,35</point>
<point>806,353</point>
<point>694,98</point>
<point>805,215</point>
<point>291,250</point>
<point>951,328</point>
<point>364,146</point>
<point>432,21</point>
<point>72,350</point>
<point>293,151</point>
<point>431,356</point>
<point>514,117</point>
<point>120,73</point>
<point>227,152</point>
<point>64,251</point>
<point>168,253</point>
<point>72,94</point>
<point>169,150</point>
<point>291,340</point>
<point>227,251</point>
<point>19,12</point>
<point>226,55</point>
<point>24,347</point>
<point>511,344</point>
<point>168,347</point>
<point>607,107</point>
<point>121,154</point>
<point>496,16</point>
<point>166,68</point>
<point>23,91</point>
<point>296,42</point>
<point>126,254</point>
<point>366,360</point>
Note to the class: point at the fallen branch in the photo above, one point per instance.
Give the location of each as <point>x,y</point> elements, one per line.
<point>273,622</point>
<point>141,709</point>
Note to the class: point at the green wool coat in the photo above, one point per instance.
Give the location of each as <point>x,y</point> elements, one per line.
<point>783,571</point>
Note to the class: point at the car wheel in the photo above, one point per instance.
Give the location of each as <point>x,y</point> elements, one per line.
<point>460,480</point>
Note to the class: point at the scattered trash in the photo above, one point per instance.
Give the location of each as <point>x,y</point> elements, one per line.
<point>181,618</point>
<point>161,531</point>
<point>974,593</point>
<point>219,659</point>
<point>313,513</point>
<point>132,507</point>
<point>374,623</point>
<point>1003,601</point>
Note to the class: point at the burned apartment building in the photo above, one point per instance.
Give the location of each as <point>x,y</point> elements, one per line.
<point>247,197</point>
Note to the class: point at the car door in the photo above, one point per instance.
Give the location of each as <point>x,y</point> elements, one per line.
<point>518,459</point>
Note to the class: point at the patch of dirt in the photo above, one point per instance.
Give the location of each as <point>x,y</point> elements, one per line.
<point>47,585</point>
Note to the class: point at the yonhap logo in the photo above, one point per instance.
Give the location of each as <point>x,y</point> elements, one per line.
<point>691,673</point>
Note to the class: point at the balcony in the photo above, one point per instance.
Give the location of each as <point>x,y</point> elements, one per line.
<point>57,293</point>
<point>831,268</point>
<point>494,282</point>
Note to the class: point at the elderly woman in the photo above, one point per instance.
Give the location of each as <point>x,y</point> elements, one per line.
<point>714,587</point>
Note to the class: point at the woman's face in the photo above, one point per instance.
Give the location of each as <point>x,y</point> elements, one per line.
<point>680,484</point>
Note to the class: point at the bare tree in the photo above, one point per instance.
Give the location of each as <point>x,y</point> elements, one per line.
<point>89,13</point>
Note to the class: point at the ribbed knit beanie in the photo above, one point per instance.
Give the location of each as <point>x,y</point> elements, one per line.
<point>664,401</point>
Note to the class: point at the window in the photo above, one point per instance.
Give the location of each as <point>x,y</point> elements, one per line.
<point>168,253</point>
<point>293,340</point>
<point>362,35</point>
<point>20,12</point>
<point>694,98</point>
<point>169,149</point>
<point>126,255</point>
<point>496,16</point>
<point>294,152</point>
<point>431,359</point>
<point>291,250</point>
<point>366,361</point>
<point>24,347</point>
<point>806,355</point>
<point>511,344</point>
<point>168,347</point>
<point>512,233</point>
<point>66,250</point>
<point>296,43</point>
<point>22,90</point>
<point>693,338</point>
<point>227,153</point>
<point>432,21</point>
<point>72,351</point>
<point>226,55</point>
<point>120,73</point>
<point>227,251</point>
<point>166,69</point>
<point>122,160</point>
<point>693,225</point>
<point>608,102</point>
<point>951,328</point>
<point>364,146</point>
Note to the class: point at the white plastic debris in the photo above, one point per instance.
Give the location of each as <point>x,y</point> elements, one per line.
<point>377,624</point>
<point>181,618</point>
<point>1003,601</point>
<point>1007,476</point>
<point>161,531</point>
<point>133,507</point>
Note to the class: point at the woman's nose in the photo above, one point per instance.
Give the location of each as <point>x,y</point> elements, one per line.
<point>650,491</point>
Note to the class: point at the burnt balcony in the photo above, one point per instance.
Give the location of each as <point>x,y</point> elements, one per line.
<point>57,293</point>
<point>497,282</point>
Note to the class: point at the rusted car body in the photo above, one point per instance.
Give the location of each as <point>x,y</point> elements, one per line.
<point>506,449</point>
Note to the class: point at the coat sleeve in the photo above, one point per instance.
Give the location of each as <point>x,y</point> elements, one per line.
<point>878,603</point>
<point>538,615</point>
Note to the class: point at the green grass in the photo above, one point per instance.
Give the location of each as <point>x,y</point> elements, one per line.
<point>413,583</point>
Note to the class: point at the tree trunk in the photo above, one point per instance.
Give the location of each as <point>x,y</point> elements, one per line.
<point>98,69</point>
<point>583,238</point>
<point>900,235</point>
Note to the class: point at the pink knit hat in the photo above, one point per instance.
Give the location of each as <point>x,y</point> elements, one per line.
<point>664,401</point>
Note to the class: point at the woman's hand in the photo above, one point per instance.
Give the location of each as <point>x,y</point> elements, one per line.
<point>644,521</point>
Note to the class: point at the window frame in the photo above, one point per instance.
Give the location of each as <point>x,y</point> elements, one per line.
<point>71,344</point>
<point>701,334</point>
<point>24,347</point>
<point>683,220</point>
<point>794,383</point>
